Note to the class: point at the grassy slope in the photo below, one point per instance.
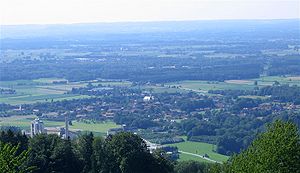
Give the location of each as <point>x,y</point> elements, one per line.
<point>198,148</point>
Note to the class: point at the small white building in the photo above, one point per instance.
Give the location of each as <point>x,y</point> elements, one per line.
<point>37,127</point>
<point>152,146</point>
<point>148,98</point>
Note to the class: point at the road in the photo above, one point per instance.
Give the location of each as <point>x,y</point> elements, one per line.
<point>152,146</point>
<point>197,155</point>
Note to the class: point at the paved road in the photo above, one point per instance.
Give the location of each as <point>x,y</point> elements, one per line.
<point>197,155</point>
<point>153,146</point>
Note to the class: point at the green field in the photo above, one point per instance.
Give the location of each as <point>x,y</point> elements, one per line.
<point>48,80</point>
<point>254,97</point>
<point>160,89</point>
<point>199,148</point>
<point>113,83</point>
<point>43,90</point>
<point>205,86</point>
<point>40,90</point>
<point>186,157</point>
<point>19,121</point>
<point>24,123</point>
<point>269,80</point>
<point>101,127</point>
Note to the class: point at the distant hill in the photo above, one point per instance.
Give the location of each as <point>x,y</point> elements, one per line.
<point>92,29</point>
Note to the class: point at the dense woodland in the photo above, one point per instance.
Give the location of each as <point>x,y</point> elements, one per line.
<point>201,51</point>
<point>133,69</point>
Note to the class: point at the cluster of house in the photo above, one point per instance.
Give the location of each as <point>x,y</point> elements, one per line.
<point>273,106</point>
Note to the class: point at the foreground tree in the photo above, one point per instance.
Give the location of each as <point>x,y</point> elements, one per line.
<point>191,167</point>
<point>42,147</point>
<point>100,161</point>
<point>14,137</point>
<point>11,161</point>
<point>85,148</point>
<point>131,155</point>
<point>126,149</point>
<point>162,162</point>
<point>63,158</point>
<point>277,150</point>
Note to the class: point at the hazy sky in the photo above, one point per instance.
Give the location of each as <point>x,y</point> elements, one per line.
<point>78,11</point>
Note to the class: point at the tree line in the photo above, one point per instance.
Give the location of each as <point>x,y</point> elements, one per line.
<point>123,152</point>
<point>276,150</point>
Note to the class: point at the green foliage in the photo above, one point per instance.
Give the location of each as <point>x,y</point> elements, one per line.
<point>120,153</point>
<point>11,162</point>
<point>284,93</point>
<point>219,168</point>
<point>191,167</point>
<point>162,163</point>
<point>63,158</point>
<point>130,155</point>
<point>277,150</point>
<point>85,147</point>
<point>14,138</point>
<point>52,154</point>
<point>100,162</point>
<point>125,148</point>
<point>42,146</point>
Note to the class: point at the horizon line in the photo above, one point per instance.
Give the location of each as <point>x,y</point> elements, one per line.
<point>150,21</point>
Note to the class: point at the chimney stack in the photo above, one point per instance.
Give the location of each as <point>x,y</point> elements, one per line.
<point>67,126</point>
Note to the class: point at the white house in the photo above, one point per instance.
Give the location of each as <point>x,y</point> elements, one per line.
<point>148,98</point>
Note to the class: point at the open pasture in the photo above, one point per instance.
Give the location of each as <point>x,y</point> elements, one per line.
<point>40,90</point>
<point>187,157</point>
<point>19,121</point>
<point>240,82</point>
<point>161,89</point>
<point>247,84</point>
<point>48,80</point>
<point>199,148</point>
<point>269,80</point>
<point>113,83</point>
<point>205,86</point>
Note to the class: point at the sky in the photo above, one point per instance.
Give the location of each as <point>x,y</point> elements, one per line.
<point>15,12</point>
